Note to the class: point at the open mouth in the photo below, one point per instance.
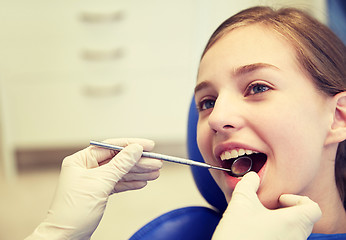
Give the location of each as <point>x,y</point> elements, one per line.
<point>258,161</point>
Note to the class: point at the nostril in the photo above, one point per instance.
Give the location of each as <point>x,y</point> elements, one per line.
<point>224,128</point>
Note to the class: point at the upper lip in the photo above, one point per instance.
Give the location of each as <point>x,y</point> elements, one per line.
<point>220,148</point>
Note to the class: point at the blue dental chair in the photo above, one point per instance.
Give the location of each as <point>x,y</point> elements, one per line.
<point>193,222</point>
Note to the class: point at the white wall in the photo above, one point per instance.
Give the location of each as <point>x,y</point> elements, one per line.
<point>65,80</point>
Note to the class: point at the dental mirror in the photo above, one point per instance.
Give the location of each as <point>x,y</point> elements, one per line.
<point>241,166</point>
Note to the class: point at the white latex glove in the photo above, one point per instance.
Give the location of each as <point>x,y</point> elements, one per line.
<point>87,179</point>
<point>247,219</point>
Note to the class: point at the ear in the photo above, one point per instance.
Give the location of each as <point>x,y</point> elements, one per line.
<point>337,132</point>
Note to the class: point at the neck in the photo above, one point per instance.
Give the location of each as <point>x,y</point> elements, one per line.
<point>333,218</point>
<point>326,194</point>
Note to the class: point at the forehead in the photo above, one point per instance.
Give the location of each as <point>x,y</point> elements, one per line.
<point>245,46</point>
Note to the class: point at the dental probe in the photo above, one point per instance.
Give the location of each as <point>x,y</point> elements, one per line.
<point>160,156</point>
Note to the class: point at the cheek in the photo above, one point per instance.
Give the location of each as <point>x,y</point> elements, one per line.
<point>294,120</point>
<point>204,141</point>
<point>295,138</point>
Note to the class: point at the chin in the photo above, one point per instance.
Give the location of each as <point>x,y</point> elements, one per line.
<point>269,202</point>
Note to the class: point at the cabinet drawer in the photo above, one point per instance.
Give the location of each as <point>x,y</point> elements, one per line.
<point>64,110</point>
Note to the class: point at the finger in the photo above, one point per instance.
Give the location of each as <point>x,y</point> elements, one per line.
<point>125,160</point>
<point>244,196</point>
<point>147,165</point>
<point>126,186</point>
<point>150,176</point>
<point>102,155</point>
<point>302,204</point>
<point>88,158</point>
<point>290,200</point>
<point>249,183</point>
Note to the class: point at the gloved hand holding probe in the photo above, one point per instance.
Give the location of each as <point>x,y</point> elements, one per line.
<point>246,217</point>
<point>87,179</point>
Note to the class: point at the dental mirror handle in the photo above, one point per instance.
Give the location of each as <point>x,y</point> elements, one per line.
<point>160,156</point>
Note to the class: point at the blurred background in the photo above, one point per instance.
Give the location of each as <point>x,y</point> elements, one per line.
<point>72,71</point>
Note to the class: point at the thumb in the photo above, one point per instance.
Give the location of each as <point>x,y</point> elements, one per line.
<point>243,206</point>
<point>244,197</point>
<point>249,183</point>
<point>303,205</point>
<point>125,160</point>
<point>246,188</point>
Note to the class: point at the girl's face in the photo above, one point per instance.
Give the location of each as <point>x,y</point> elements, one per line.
<point>254,99</point>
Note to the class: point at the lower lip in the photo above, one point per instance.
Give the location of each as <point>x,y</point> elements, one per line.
<point>232,181</point>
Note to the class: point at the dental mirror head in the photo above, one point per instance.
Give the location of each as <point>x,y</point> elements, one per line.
<point>241,166</point>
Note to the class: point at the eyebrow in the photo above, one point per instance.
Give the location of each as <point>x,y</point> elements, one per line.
<point>252,67</point>
<point>238,72</point>
<point>202,85</point>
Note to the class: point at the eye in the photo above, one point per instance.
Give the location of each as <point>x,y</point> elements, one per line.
<point>256,88</point>
<point>206,104</point>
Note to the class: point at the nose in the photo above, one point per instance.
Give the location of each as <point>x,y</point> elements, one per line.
<point>227,115</point>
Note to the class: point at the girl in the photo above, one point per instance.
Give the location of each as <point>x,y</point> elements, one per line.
<point>271,84</point>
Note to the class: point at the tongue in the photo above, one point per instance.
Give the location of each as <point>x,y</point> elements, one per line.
<point>258,161</point>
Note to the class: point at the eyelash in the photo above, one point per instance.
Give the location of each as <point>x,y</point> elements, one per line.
<point>251,87</point>
<point>248,92</point>
<point>201,105</point>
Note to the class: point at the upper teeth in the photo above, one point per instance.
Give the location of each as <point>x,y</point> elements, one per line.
<point>235,153</point>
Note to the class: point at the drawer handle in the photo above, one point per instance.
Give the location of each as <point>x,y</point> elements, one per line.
<point>109,90</point>
<point>99,17</point>
<point>102,55</point>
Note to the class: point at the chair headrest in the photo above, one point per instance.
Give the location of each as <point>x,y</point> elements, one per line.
<point>204,181</point>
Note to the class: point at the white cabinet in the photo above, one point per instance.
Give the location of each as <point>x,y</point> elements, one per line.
<point>72,71</point>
